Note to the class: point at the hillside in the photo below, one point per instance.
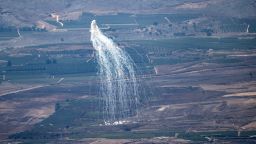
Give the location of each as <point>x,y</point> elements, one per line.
<point>26,12</point>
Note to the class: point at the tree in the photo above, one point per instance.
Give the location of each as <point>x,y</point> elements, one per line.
<point>9,63</point>
<point>51,61</point>
<point>155,23</point>
<point>48,61</point>
<point>57,106</point>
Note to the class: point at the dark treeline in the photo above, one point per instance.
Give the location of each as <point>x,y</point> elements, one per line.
<point>14,29</point>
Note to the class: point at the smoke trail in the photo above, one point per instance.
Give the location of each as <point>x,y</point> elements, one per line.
<point>56,17</point>
<point>118,81</point>
<point>247,29</point>
<point>18,32</point>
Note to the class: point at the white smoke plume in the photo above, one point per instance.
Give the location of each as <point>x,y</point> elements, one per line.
<point>118,78</point>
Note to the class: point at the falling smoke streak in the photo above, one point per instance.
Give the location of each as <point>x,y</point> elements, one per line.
<point>247,29</point>
<point>18,32</point>
<point>118,82</point>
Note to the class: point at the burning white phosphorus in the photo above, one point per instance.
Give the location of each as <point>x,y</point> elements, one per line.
<point>118,86</point>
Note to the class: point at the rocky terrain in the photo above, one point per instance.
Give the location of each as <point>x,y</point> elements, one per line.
<point>27,13</point>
